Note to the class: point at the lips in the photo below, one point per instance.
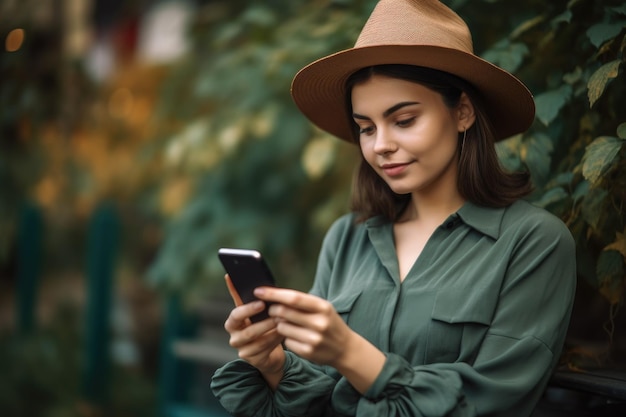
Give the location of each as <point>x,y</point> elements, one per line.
<point>393,170</point>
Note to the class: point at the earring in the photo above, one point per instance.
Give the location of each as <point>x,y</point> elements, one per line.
<point>464,136</point>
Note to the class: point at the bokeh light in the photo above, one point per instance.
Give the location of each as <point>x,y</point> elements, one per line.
<point>14,40</point>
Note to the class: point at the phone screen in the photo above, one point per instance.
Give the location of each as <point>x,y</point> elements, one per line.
<point>248,270</point>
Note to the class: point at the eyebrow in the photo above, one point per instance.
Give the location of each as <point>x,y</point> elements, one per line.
<point>389,111</point>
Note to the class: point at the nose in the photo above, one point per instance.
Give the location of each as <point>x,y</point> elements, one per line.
<point>384,143</point>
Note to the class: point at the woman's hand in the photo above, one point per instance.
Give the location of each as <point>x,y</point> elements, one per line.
<point>257,343</point>
<point>313,330</point>
<point>310,325</point>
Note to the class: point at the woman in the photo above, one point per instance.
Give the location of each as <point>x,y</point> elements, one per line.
<point>443,293</point>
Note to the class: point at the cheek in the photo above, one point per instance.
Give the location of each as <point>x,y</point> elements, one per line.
<point>442,141</point>
<point>443,152</point>
<point>367,151</point>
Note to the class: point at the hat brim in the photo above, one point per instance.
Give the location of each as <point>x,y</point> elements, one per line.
<point>319,88</point>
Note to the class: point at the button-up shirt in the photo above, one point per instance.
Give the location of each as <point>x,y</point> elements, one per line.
<point>475,328</point>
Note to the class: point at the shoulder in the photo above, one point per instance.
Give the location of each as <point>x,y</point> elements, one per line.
<point>348,237</point>
<point>347,221</point>
<point>541,251</point>
<point>335,250</point>
<point>523,219</point>
<point>343,227</point>
<point>523,213</point>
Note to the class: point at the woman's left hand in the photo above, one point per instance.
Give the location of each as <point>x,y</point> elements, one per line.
<point>313,330</point>
<point>311,326</point>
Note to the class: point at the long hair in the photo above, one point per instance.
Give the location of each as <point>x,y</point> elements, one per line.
<point>481,178</point>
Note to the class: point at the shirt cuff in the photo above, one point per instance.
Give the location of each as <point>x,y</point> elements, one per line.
<point>395,368</point>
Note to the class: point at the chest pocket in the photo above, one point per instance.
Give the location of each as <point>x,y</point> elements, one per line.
<point>344,304</point>
<point>459,322</point>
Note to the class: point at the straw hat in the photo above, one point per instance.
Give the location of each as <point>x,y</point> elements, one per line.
<point>415,32</point>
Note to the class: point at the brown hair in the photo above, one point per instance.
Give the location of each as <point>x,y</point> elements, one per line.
<point>481,179</point>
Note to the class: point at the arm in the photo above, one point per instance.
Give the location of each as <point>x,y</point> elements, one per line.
<point>297,388</point>
<point>304,390</point>
<point>267,381</point>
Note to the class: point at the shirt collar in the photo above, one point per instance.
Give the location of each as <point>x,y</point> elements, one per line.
<point>486,220</point>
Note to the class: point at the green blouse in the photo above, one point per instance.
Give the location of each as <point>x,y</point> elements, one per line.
<point>476,327</point>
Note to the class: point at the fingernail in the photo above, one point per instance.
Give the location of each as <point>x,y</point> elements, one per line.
<point>259,291</point>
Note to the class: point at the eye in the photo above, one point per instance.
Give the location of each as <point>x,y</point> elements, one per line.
<point>366,130</point>
<point>405,122</point>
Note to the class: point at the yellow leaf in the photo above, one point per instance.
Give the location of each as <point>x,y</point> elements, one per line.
<point>619,244</point>
<point>230,137</point>
<point>600,78</point>
<point>174,195</point>
<point>599,158</point>
<point>318,156</point>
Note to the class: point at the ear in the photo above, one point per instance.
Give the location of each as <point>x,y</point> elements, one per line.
<point>465,113</point>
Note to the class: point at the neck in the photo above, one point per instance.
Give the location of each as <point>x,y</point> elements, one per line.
<point>433,205</point>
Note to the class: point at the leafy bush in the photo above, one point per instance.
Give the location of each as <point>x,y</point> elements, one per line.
<point>267,179</point>
<point>570,54</point>
<point>264,178</point>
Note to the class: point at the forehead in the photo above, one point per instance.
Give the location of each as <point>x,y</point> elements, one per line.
<point>382,92</point>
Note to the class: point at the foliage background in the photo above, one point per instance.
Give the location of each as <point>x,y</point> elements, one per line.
<point>208,150</point>
<point>574,150</point>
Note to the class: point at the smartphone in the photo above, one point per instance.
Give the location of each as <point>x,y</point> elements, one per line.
<point>248,270</point>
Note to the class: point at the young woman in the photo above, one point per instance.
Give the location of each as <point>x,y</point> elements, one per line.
<point>443,293</point>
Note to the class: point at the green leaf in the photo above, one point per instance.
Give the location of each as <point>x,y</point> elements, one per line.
<point>565,17</point>
<point>599,79</point>
<point>610,271</point>
<point>581,190</point>
<point>574,76</point>
<point>549,104</point>
<point>508,152</point>
<point>602,32</point>
<point>564,178</point>
<point>621,131</point>
<point>536,153</point>
<point>507,55</point>
<point>599,158</point>
<point>554,195</point>
<point>259,15</point>
<point>593,206</point>
<point>620,9</point>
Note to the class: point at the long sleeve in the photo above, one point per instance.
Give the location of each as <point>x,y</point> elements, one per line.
<point>303,391</point>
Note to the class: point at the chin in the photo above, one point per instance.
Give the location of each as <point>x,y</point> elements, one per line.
<point>401,190</point>
<point>409,188</point>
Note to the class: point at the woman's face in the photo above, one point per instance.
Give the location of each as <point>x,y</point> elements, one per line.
<point>408,134</point>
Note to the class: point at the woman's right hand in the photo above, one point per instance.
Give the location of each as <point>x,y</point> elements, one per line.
<point>259,343</point>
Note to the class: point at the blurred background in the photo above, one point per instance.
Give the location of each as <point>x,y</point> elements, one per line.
<point>139,136</point>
